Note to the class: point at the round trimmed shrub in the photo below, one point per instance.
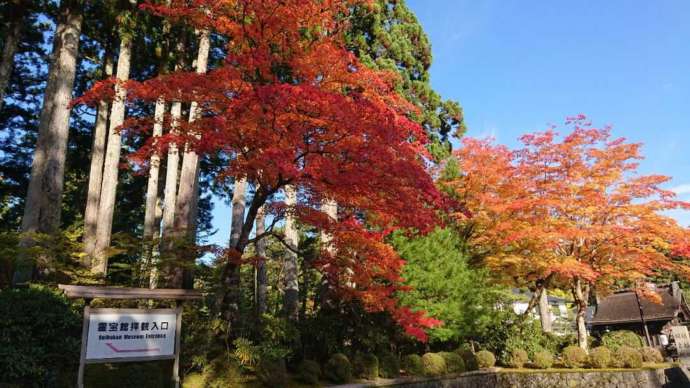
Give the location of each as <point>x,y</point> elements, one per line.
<point>543,359</point>
<point>574,357</point>
<point>518,358</point>
<point>433,364</point>
<point>600,357</point>
<point>629,357</point>
<point>338,369</point>
<point>389,365</point>
<point>454,363</point>
<point>366,366</point>
<point>650,354</point>
<point>485,359</point>
<point>412,364</point>
<point>615,339</point>
<point>468,357</point>
<point>309,371</point>
<point>272,372</point>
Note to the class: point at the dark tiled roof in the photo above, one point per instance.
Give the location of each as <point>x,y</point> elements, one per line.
<point>622,307</point>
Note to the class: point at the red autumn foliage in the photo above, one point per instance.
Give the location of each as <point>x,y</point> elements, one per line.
<point>290,105</point>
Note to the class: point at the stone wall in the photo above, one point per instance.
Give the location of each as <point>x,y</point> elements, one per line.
<point>535,379</point>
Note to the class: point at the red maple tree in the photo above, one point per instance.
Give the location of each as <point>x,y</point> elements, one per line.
<point>290,105</point>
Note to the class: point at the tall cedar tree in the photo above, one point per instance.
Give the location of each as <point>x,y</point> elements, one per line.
<point>572,213</point>
<point>291,106</point>
<point>385,35</point>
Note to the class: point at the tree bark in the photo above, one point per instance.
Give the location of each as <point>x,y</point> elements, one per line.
<point>581,296</point>
<point>545,312</point>
<point>290,270</point>
<point>188,193</point>
<point>44,195</point>
<point>93,196</point>
<point>231,273</point>
<point>331,209</point>
<point>152,198</point>
<point>261,273</point>
<point>13,28</point>
<point>239,200</point>
<point>169,199</point>
<point>106,206</point>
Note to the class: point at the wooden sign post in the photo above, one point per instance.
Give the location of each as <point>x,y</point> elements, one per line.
<point>121,335</point>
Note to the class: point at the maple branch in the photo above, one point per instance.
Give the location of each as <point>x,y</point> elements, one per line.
<point>268,231</point>
<point>281,239</point>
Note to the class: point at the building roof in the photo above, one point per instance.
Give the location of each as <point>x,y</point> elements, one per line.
<point>622,307</point>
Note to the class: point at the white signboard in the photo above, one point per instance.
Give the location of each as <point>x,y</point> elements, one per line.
<point>131,333</point>
<point>682,339</point>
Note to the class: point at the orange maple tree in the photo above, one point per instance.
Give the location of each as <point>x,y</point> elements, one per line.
<point>289,105</point>
<point>570,213</point>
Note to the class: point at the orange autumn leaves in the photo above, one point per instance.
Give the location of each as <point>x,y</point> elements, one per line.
<point>567,208</point>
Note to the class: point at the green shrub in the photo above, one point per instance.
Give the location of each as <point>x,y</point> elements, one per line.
<point>272,372</point>
<point>543,359</point>
<point>412,364</point>
<point>39,338</point>
<point>468,357</point>
<point>600,357</point>
<point>574,357</point>
<point>338,369</point>
<point>389,365</point>
<point>650,354</point>
<point>156,374</point>
<point>485,359</point>
<point>615,339</point>
<point>193,380</point>
<point>433,364</point>
<point>309,371</point>
<point>222,372</point>
<point>518,358</point>
<point>629,357</point>
<point>454,363</point>
<point>366,366</point>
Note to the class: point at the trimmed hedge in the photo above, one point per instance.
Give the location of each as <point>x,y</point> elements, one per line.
<point>629,357</point>
<point>272,372</point>
<point>366,366</point>
<point>338,369</point>
<point>309,371</point>
<point>600,357</point>
<point>574,357</point>
<point>518,358</point>
<point>40,336</point>
<point>485,359</point>
<point>543,359</point>
<point>434,364</point>
<point>650,354</point>
<point>615,339</point>
<point>412,364</point>
<point>468,357</point>
<point>454,363</point>
<point>389,365</point>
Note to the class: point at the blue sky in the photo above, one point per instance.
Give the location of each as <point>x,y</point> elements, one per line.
<point>517,66</point>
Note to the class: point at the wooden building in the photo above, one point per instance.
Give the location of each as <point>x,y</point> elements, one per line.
<point>621,311</point>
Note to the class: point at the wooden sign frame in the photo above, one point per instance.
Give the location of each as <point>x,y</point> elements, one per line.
<point>88,310</point>
<point>90,292</point>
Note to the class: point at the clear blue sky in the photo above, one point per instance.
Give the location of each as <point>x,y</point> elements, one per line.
<point>517,66</point>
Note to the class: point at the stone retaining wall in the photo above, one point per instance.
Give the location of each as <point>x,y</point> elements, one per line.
<point>655,378</point>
